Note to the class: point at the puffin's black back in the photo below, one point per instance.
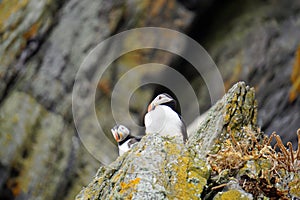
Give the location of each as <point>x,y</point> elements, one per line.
<point>172,104</point>
<point>129,137</point>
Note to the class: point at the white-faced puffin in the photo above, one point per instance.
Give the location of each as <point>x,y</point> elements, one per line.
<point>163,119</point>
<point>124,138</point>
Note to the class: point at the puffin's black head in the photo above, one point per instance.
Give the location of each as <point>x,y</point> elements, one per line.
<point>162,99</point>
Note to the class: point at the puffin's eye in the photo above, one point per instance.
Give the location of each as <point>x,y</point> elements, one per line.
<point>159,97</point>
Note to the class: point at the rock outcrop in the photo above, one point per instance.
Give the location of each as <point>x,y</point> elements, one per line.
<point>227,158</point>
<point>43,43</point>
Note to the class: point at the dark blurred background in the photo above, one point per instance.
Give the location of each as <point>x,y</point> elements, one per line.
<point>44,42</point>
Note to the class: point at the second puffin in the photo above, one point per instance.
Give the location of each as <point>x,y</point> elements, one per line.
<point>124,138</point>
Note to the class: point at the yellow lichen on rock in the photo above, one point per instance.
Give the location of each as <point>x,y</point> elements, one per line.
<point>129,188</point>
<point>294,186</point>
<point>295,78</point>
<point>195,179</point>
<point>231,195</point>
<point>20,21</point>
<point>178,167</point>
<point>32,31</point>
<point>187,179</point>
<point>178,181</point>
<point>8,8</point>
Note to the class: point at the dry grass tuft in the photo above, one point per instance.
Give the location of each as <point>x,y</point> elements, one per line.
<point>261,169</point>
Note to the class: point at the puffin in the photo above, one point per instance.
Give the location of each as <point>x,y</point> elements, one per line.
<point>123,136</point>
<point>162,118</point>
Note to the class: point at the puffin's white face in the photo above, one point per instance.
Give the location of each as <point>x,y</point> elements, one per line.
<point>160,99</point>
<point>120,132</point>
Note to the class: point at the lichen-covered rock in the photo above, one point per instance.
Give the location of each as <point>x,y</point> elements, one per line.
<point>228,158</point>
<point>233,191</point>
<point>161,168</point>
<point>231,195</point>
<point>156,168</point>
<point>237,109</point>
<point>294,186</point>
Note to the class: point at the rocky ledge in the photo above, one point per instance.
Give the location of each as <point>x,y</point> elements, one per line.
<point>228,158</point>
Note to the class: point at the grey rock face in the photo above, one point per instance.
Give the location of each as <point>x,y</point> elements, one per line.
<point>42,46</point>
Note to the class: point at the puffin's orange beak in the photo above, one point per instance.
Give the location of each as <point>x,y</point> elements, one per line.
<point>117,137</point>
<point>120,135</point>
<point>150,107</point>
<point>115,134</point>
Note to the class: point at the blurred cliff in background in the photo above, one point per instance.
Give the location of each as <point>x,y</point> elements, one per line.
<point>44,42</point>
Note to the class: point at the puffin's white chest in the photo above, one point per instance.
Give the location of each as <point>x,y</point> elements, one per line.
<point>124,147</point>
<point>163,120</point>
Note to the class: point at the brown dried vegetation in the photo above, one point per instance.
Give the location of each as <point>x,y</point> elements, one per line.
<point>258,167</point>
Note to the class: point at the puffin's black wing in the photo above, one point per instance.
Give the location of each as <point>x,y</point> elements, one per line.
<point>183,130</point>
<point>133,140</point>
